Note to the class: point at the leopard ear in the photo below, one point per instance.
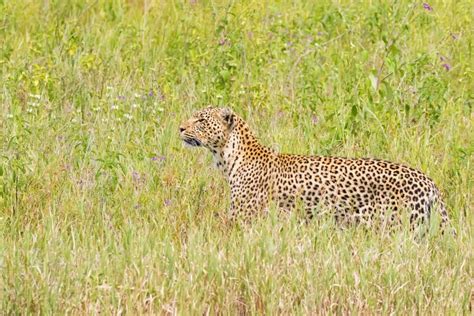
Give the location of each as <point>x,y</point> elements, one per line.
<point>228,116</point>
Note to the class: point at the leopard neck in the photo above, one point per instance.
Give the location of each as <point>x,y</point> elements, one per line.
<point>238,149</point>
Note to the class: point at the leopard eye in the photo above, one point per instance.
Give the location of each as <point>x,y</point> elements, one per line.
<point>201,120</point>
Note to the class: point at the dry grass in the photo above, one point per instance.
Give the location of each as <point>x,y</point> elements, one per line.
<point>103,210</point>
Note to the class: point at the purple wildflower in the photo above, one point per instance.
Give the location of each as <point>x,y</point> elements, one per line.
<point>121,97</point>
<point>446,66</point>
<point>151,94</point>
<point>222,41</point>
<point>427,7</point>
<point>158,158</point>
<point>167,202</point>
<point>160,96</point>
<point>135,176</point>
<point>314,119</point>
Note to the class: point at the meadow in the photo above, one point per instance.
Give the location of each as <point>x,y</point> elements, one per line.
<point>102,209</point>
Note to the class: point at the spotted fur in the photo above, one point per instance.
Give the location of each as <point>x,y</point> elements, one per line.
<point>355,190</point>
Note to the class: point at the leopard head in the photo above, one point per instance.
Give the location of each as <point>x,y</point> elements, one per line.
<point>209,127</point>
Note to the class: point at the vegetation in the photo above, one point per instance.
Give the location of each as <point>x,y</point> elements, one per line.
<point>103,210</point>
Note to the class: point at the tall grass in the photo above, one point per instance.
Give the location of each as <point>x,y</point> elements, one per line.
<point>103,210</point>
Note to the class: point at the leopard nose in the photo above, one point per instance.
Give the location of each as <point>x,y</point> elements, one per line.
<point>181,129</point>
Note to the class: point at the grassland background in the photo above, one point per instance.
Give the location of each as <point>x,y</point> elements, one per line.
<point>103,210</point>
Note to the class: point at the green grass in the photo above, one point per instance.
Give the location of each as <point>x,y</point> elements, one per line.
<point>103,210</point>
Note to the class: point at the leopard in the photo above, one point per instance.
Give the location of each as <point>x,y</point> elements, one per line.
<point>352,190</point>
